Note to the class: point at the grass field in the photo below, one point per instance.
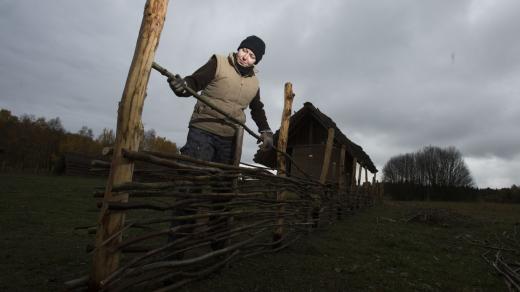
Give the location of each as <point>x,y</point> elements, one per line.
<point>373,250</point>
<point>39,247</point>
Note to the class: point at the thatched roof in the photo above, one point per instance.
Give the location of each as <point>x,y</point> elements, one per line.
<point>268,158</point>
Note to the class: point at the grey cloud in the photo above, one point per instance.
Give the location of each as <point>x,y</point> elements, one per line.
<point>394,75</point>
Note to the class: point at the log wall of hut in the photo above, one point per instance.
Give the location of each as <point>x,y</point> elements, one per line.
<point>306,144</point>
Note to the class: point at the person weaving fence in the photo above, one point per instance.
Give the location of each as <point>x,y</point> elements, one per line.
<point>230,82</point>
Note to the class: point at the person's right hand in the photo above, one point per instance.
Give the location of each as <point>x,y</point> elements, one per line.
<point>177,84</point>
<point>266,137</point>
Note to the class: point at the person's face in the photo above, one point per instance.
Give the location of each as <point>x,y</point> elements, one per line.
<point>246,57</point>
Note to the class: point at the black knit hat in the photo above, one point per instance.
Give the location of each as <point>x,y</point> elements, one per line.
<point>256,45</point>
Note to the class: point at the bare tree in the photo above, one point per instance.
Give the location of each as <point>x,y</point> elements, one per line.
<point>430,166</point>
<point>106,138</point>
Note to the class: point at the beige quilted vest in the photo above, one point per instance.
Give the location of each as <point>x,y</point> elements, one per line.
<point>229,91</point>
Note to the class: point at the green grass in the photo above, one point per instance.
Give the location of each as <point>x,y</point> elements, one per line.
<point>39,248</point>
<point>364,253</point>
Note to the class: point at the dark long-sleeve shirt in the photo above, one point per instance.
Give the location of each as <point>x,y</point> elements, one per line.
<point>205,74</point>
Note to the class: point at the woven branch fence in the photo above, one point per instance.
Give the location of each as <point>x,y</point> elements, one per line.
<point>187,222</point>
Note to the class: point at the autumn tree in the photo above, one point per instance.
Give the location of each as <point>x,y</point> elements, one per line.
<point>152,142</point>
<point>35,144</point>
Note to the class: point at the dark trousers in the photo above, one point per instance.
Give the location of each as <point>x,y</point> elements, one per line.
<point>206,146</point>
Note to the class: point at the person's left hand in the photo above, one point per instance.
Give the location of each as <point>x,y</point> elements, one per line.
<point>267,140</point>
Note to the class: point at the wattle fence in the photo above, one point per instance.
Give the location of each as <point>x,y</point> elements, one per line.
<point>191,220</point>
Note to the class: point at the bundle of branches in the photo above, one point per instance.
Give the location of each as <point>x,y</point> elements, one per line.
<point>502,252</point>
<point>200,216</point>
<point>436,216</point>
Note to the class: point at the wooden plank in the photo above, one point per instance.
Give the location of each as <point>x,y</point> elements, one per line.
<point>359,175</point>
<point>128,135</point>
<point>342,179</point>
<point>328,153</point>
<point>353,178</point>
<point>280,158</point>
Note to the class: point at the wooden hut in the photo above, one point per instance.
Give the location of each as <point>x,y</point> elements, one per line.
<point>306,144</point>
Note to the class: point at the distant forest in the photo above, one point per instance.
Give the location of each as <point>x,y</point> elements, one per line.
<point>438,174</point>
<point>35,144</point>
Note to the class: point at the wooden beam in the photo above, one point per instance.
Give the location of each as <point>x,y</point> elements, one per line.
<point>280,158</point>
<point>128,135</point>
<point>342,180</point>
<point>366,175</point>
<point>353,178</point>
<point>359,175</point>
<point>326,158</point>
<point>284,129</point>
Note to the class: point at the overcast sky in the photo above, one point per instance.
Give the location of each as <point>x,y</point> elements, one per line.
<point>394,75</point>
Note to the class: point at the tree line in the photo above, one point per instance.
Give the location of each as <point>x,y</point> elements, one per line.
<point>430,166</point>
<point>35,144</point>
<point>430,173</point>
<point>435,173</point>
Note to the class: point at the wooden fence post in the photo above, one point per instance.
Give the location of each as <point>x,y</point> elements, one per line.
<point>128,135</point>
<point>353,178</point>
<point>326,159</point>
<point>359,175</point>
<point>324,171</point>
<point>342,182</point>
<point>283,136</point>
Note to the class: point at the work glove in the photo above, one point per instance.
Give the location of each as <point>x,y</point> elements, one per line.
<point>177,84</point>
<point>266,139</point>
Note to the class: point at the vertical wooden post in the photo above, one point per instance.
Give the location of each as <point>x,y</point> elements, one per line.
<point>374,187</point>
<point>128,135</point>
<point>342,182</point>
<point>283,136</point>
<point>366,175</point>
<point>359,191</point>
<point>353,178</point>
<point>353,194</point>
<point>359,175</point>
<point>325,171</point>
<point>326,158</point>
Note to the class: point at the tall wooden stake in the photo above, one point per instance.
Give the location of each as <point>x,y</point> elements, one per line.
<point>342,181</point>
<point>359,175</point>
<point>353,178</point>
<point>328,153</point>
<point>325,172</point>
<point>283,136</point>
<point>128,135</point>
